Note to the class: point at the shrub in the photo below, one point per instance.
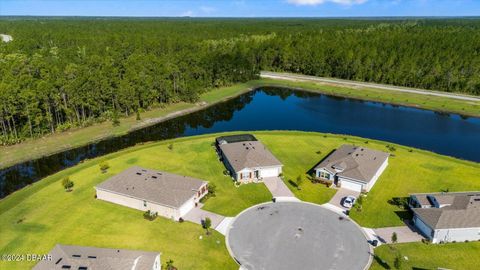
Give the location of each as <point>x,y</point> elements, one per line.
<point>207,224</point>
<point>170,147</point>
<point>394,237</point>
<point>397,263</point>
<point>104,166</point>
<point>148,215</point>
<point>67,184</point>
<point>299,181</point>
<point>169,265</point>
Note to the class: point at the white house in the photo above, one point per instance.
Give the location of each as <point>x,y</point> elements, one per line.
<point>6,38</point>
<point>247,159</point>
<point>169,195</point>
<point>92,258</point>
<point>447,217</point>
<point>353,167</point>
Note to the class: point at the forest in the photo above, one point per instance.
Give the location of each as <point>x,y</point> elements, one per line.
<point>62,73</point>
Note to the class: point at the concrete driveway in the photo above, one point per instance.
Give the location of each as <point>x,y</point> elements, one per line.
<point>197,214</point>
<point>277,187</point>
<point>405,234</point>
<point>342,193</point>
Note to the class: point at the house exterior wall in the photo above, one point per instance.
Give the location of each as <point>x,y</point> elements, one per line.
<point>270,172</point>
<point>249,173</point>
<point>138,204</point>
<point>318,171</point>
<point>377,175</point>
<point>458,235</point>
<point>157,265</point>
<point>351,184</point>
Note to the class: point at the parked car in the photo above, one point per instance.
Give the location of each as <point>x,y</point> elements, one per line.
<point>348,201</point>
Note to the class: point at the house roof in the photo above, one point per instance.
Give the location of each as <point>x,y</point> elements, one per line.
<point>248,154</point>
<point>460,210</point>
<point>235,138</point>
<point>155,186</point>
<point>354,162</point>
<point>97,258</point>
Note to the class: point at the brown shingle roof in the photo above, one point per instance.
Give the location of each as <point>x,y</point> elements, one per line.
<point>155,186</point>
<point>357,162</point>
<point>97,258</point>
<point>462,211</point>
<point>248,154</point>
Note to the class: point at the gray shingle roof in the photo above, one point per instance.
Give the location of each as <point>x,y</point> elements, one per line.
<point>357,162</point>
<point>248,154</point>
<point>155,186</point>
<point>462,210</point>
<point>97,258</point>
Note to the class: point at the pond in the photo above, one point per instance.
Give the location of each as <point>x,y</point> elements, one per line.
<point>281,109</point>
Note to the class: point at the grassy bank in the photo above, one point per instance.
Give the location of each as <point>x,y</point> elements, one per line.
<point>58,142</point>
<point>34,219</point>
<point>423,256</point>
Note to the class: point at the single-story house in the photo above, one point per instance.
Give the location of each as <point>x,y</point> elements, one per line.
<point>247,159</point>
<point>92,258</point>
<point>169,195</point>
<point>447,217</point>
<point>6,38</point>
<point>353,167</point>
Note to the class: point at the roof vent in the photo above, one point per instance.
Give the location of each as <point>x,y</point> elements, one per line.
<point>66,266</point>
<point>139,173</point>
<point>92,257</point>
<point>356,155</point>
<point>374,158</point>
<point>154,177</point>
<point>76,256</point>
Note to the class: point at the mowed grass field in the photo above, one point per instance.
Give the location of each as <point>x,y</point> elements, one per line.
<point>37,217</point>
<point>422,256</point>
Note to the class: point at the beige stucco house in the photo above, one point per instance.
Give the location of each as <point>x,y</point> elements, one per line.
<point>353,167</point>
<point>247,159</point>
<point>447,217</point>
<point>169,195</point>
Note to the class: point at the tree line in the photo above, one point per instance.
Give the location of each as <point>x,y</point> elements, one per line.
<point>63,73</point>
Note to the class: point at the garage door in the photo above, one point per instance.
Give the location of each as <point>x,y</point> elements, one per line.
<point>270,172</point>
<point>351,185</point>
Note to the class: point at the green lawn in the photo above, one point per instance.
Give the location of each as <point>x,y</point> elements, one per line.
<point>31,149</point>
<point>413,172</point>
<point>423,256</point>
<point>34,219</point>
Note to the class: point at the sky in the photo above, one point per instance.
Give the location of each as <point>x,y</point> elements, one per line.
<point>241,8</point>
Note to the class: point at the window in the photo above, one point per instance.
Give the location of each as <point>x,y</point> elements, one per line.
<point>324,175</point>
<point>145,203</point>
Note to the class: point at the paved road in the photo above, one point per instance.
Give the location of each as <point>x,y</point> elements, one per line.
<point>296,77</point>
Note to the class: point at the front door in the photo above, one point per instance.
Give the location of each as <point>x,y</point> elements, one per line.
<point>257,174</point>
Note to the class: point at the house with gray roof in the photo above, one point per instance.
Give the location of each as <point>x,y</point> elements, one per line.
<point>353,167</point>
<point>92,258</point>
<point>167,194</point>
<point>247,159</point>
<point>447,217</point>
